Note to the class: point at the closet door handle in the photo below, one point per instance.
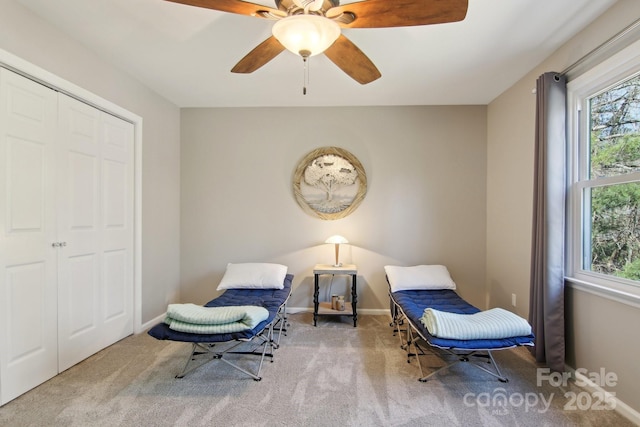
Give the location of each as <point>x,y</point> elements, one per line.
<point>58,244</point>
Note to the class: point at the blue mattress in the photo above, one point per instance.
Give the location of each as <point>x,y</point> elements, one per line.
<point>414,302</point>
<point>271,299</point>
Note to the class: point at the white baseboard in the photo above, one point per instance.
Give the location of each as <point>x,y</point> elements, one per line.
<point>295,310</point>
<point>290,310</point>
<point>622,408</point>
<point>152,322</point>
<point>361,311</point>
<point>374,311</point>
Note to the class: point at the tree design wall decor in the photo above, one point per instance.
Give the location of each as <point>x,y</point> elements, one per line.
<point>329,183</point>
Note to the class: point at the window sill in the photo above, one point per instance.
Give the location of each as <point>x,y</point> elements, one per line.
<point>604,292</point>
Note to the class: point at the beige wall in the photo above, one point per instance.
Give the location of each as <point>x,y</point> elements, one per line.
<point>603,333</point>
<point>28,37</point>
<point>598,328</point>
<point>425,203</point>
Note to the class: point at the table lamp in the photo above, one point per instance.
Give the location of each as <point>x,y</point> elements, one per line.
<point>337,240</point>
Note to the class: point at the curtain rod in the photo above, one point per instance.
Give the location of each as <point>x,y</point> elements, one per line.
<point>603,46</point>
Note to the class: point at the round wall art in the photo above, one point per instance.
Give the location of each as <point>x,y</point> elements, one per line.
<point>329,183</point>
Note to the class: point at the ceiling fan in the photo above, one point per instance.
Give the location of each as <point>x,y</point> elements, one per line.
<point>310,27</point>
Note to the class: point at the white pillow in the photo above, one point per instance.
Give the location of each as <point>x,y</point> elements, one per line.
<point>419,277</point>
<point>253,275</point>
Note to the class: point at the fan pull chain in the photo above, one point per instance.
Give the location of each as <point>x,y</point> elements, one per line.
<point>305,77</point>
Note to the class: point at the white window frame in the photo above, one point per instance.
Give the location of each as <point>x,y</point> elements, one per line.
<point>606,75</point>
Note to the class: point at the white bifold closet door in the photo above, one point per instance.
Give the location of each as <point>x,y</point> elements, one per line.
<point>66,250</point>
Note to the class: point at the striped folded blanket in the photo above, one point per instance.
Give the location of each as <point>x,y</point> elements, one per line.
<point>495,323</point>
<point>214,320</point>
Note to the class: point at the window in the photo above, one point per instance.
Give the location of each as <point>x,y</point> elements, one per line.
<point>604,174</point>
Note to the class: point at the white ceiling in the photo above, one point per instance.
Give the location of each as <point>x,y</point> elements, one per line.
<point>185,53</point>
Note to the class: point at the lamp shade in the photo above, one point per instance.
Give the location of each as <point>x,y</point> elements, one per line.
<point>306,35</point>
<point>336,239</point>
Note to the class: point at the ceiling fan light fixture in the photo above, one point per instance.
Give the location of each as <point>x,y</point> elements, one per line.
<point>306,35</point>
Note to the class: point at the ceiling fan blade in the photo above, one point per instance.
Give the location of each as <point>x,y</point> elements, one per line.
<point>263,53</point>
<point>235,6</point>
<point>350,59</point>
<point>401,13</point>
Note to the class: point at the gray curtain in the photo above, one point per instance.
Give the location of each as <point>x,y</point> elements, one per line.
<point>546,304</point>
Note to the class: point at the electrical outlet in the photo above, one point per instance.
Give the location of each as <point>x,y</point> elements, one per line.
<point>513,300</point>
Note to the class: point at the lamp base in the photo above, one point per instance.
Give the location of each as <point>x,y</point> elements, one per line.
<point>338,264</point>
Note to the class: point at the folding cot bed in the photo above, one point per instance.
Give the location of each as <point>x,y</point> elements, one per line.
<point>424,298</point>
<point>249,313</point>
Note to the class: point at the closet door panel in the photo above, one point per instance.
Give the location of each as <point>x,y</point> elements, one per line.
<point>115,195</point>
<point>28,294</point>
<point>83,287</point>
<point>96,274</point>
<point>117,226</point>
<point>25,185</point>
<point>78,227</point>
<point>82,192</point>
<point>26,286</point>
<point>116,300</point>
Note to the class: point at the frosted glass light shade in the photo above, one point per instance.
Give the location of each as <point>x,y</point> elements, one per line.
<point>306,35</point>
<point>336,239</point>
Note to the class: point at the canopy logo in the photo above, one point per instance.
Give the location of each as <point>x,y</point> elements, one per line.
<point>500,400</point>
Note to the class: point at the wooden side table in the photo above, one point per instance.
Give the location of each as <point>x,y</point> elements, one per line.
<point>324,308</point>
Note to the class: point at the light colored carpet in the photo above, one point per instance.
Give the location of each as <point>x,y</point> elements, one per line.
<point>330,375</point>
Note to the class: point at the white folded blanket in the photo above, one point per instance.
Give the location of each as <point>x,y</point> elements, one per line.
<point>490,324</point>
<point>214,320</point>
